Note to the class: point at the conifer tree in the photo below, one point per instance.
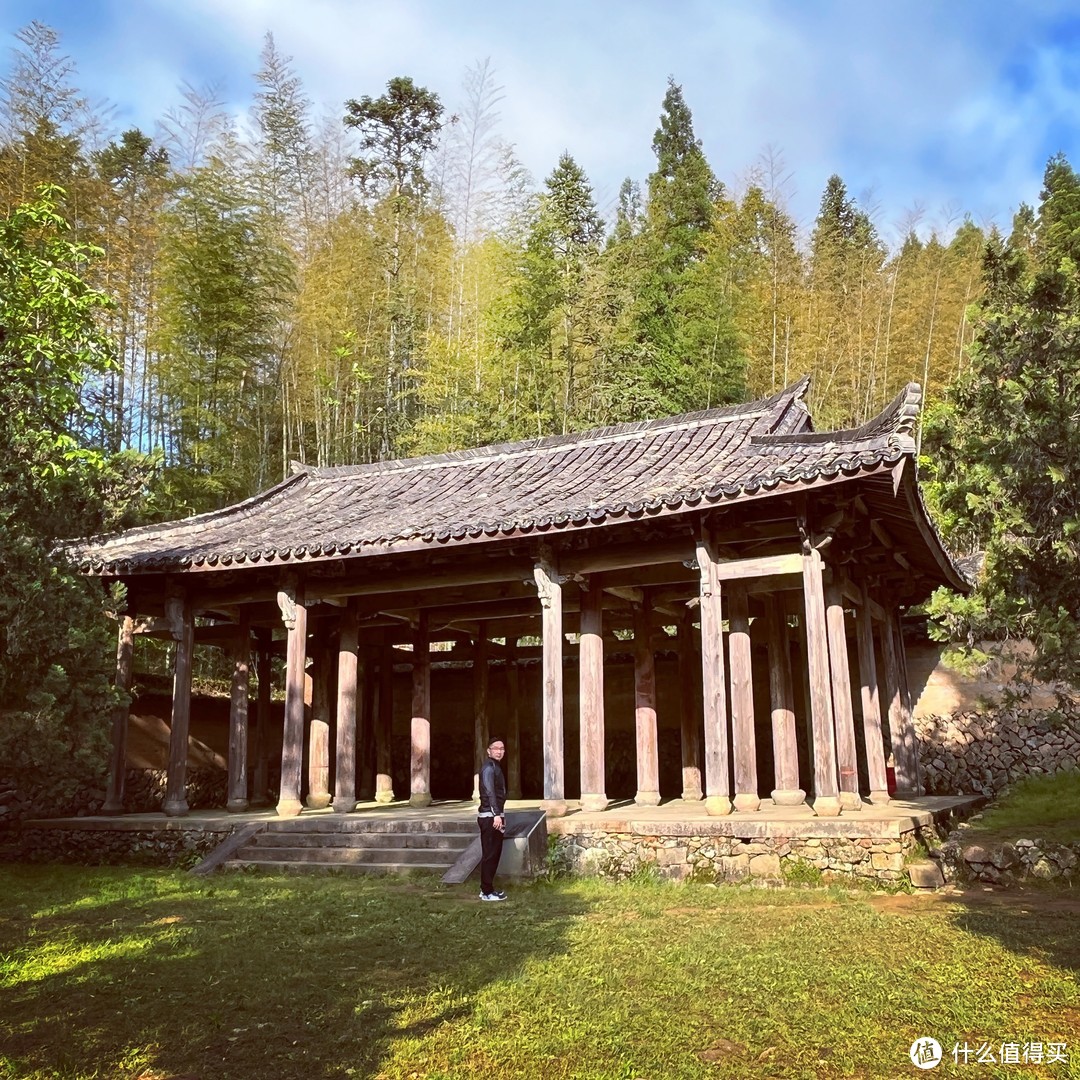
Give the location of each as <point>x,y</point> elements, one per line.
<point>1006,448</point>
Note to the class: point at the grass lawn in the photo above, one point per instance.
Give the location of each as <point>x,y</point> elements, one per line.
<point>1036,808</point>
<point>138,973</point>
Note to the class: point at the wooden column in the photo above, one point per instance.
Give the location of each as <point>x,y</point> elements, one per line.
<point>183,632</point>
<point>911,740</point>
<point>901,731</point>
<point>689,721</point>
<point>238,718</point>
<point>591,699</point>
<point>125,650</point>
<point>365,727</point>
<point>782,703</point>
<point>260,793</point>
<point>384,723</point>
<point>481,689</point>
<point>420,761</point>
<point>744,745</point>
<point>714,689</point>
<point>847,758</point>
<point>648,749</point>
<point>549,590</point>
<point>826,789</point>
<point>318,796</point>
<point>294,615</point>
<point>513,722</point>
<point>347,694</point>
<point>871,704</point>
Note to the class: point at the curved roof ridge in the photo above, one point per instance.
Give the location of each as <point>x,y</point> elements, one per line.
<point>159,528</point>
<point>895,423</point>
<point>774,406</point>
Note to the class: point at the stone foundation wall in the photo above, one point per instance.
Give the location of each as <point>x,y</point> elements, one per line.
<point>28,797</point>
<point>1009,863</point>
<point>981,753</point>
<point>109,846</point>
<point>620,855</point>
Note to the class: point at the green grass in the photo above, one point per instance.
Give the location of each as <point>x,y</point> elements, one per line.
<point>137,973</point>
<point>1038,807</point>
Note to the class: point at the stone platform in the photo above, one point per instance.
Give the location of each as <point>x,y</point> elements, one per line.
<point>678,838</point>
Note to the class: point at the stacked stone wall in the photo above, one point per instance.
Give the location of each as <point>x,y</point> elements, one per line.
<point>108,846</point>
<point>982,753</point>
<point>709,859</point>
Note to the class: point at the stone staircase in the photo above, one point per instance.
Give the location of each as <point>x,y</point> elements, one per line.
<point>344,843</point>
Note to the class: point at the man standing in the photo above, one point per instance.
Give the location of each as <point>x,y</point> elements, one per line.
<point>492,819</point>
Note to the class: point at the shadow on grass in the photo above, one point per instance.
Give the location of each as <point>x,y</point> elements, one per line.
<point>1040,922</point>
<point>238,976</point>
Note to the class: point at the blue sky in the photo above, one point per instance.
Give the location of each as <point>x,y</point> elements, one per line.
<point>939,107</point>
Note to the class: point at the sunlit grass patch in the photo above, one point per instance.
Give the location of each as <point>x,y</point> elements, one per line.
<point>128,973</point>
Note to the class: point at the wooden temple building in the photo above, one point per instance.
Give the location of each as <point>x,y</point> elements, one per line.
<point>677,534</point>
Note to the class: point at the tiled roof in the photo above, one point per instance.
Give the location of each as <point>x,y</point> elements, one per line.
<point>697,459</point>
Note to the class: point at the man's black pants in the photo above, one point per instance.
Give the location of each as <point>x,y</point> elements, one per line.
<point>491,842</point>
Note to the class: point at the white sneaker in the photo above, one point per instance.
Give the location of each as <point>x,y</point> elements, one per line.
<point>493,897</point>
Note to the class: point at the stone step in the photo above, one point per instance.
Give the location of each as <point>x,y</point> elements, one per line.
<point>342,823</point>
<point>456,841</point>
<point>350,856</point>
<point>345,868</point>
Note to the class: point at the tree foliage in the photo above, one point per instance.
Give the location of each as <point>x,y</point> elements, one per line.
<point>1006,445</point>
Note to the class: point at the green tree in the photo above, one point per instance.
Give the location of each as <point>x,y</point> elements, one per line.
<point>397,132</point>
<point>1006,447</point>
<point>678,349</point>
<point>54,480</point>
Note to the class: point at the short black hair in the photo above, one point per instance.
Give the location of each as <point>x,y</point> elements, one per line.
<point>494,739</point>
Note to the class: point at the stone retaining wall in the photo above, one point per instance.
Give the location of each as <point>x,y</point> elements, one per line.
<point>110,844</point>
<point>981,753</point>
<point>1008,863</point>
<point>28,797</point>
<point>620,855</point>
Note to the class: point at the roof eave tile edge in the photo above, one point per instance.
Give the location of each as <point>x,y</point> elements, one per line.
<point>681,502</point>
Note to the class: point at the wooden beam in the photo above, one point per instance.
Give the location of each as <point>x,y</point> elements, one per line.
<point>761,566</point>
<point>623,556</point>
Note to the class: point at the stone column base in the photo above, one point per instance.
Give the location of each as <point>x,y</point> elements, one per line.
<point>647,798</point>
<point>693,795</point>
<point>788,797</point>
<point>344,806</point>
<point>880,798</point>
<point>717,805</point>
<point>318,802</point>
<point>850,800</point>
<point>420,798</point>
<point>747,802</point>
<point>179,808</point>
<point>826,806</point>
<point>594,803</point>
<point>289,808</point>
<point>553,807</point>
<point>236,806</point>
<point>384,797</point>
